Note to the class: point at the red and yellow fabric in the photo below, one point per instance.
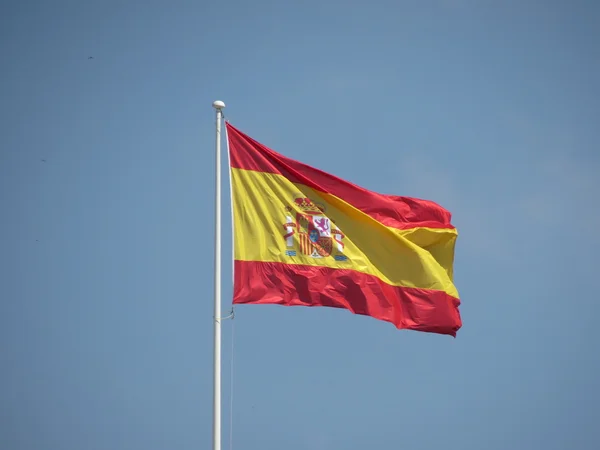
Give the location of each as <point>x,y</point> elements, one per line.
<point>305,237</point>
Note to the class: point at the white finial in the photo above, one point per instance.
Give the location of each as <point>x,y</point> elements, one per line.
<point>218,104</point>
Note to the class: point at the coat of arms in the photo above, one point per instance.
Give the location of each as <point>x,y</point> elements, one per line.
<point>317,235</point>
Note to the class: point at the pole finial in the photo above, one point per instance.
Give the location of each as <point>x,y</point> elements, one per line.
<point>218,104</point>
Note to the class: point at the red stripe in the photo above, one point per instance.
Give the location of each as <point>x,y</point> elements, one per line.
<point>390,210</point>
<point>295,285</point>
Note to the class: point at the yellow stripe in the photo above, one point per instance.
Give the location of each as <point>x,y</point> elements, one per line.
<point>419,257</point>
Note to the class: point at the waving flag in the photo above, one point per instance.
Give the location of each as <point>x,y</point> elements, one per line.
<point>305,237</point>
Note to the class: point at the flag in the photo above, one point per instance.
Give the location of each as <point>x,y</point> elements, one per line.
<point>305,237</point>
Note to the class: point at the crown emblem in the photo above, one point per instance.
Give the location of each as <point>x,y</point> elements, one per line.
<point>308,206</point>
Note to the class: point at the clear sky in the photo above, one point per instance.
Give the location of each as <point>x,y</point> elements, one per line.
<point>487,107</point>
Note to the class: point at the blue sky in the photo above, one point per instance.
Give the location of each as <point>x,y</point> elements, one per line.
<point>488,107</point>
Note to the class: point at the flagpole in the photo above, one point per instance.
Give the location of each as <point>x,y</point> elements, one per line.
<point>218,105</point>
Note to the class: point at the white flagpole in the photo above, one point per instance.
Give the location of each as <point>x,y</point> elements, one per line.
<point>218,105</point>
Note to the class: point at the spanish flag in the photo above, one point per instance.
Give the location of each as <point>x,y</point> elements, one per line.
<point>305,237</point>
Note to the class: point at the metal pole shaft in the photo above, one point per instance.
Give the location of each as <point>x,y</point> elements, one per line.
<point>218,105</point>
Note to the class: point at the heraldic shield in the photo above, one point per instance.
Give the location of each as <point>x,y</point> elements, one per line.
<point>317,235</point>
<point>314,232</point>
